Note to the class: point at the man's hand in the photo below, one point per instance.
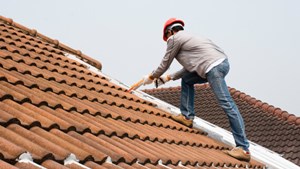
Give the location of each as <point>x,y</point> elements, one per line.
<point>148,79</point>
<point>162,80</point>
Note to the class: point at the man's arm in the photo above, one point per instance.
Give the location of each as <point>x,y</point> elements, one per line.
<point>164,79</point>
<point>179,74</point>
<point>173,47</point>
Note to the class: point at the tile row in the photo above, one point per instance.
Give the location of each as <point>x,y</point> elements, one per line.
<point>44,74</point>
<point>39,59</point>
<point>33,35</point>
<point>58,145</point>
<point>13,38</point>
<point>30,115</point>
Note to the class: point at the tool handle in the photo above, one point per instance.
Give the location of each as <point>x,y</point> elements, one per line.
<point>136,85</point>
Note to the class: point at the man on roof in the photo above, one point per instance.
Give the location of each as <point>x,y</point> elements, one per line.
<point>202,62</point>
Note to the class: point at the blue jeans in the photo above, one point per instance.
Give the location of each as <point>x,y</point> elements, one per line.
<point>215,77</point>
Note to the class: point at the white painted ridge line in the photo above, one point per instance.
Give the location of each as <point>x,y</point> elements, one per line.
<point>27,158</point>
<point>272,159</point>
<point>161,163</point>
<point>142,166</point>
<point>109,161</point>
<point>71,159</point>
<point>258,152</point>
<point>181,165</point>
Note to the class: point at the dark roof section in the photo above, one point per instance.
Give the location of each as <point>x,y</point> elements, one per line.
<point>55,109</point>
<point>265,124</point>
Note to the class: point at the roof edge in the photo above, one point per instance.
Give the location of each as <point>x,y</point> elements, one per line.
<point>55,42</point>
<point>275,111</point>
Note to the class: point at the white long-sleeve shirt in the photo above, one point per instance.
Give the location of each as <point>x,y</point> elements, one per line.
<point>195,54</point>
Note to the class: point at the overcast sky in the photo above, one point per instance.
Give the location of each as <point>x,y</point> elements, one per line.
<point>260,37</point>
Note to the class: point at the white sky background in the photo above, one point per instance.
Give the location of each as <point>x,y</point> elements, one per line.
<point>260,37</point>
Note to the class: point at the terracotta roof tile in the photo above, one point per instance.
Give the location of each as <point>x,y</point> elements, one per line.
<point>5,165</point>
<point>23,118</point>
<point>92,164</point>
<point>9,150</point>
<point>26,166</point>
<point>266,125</point>
<point>58,152</point>
<point>37,151</point>
<point>53,164</point>
<point>55,109</point>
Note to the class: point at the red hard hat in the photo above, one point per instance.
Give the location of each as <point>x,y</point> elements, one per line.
<point>170,22</point>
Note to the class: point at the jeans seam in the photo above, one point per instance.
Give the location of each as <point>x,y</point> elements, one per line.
<point>188,98</point>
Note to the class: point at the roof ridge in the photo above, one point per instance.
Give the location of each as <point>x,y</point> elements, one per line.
<point>275,111</point>
<point>55,42</point>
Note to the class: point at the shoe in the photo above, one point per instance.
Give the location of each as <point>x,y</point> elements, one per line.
<point>183,120</point>
<point>239,154</point>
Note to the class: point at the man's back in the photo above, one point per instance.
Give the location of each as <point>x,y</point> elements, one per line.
<point>195,54</point>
